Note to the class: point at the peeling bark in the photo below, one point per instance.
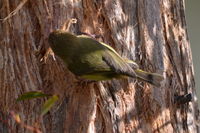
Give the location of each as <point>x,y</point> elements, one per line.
<point>152,33</point>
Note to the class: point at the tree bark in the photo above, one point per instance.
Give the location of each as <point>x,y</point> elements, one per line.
<point>153,33</point>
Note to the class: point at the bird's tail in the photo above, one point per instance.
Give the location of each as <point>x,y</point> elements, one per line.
<point>152,78</point>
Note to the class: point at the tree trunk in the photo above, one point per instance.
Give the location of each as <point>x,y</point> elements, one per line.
<point>153,33</point>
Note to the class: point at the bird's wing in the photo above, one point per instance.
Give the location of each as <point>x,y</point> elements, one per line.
<point>131,63</point>
<point>118,64</point>
<point>110,57</point>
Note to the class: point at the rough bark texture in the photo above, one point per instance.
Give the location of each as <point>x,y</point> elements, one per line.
<point>151,32</point>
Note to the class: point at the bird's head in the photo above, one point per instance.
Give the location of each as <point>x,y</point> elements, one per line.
<point>61,40</point>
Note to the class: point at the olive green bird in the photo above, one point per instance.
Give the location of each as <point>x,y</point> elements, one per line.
<point>93,60</point>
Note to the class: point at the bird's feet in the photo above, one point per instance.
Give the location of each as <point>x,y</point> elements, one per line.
<point>84,82</point>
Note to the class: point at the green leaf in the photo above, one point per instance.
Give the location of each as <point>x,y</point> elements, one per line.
<point>31,95</point>
<point>48,104</point>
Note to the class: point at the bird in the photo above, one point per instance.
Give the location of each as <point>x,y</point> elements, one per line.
<point>92,60</point>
